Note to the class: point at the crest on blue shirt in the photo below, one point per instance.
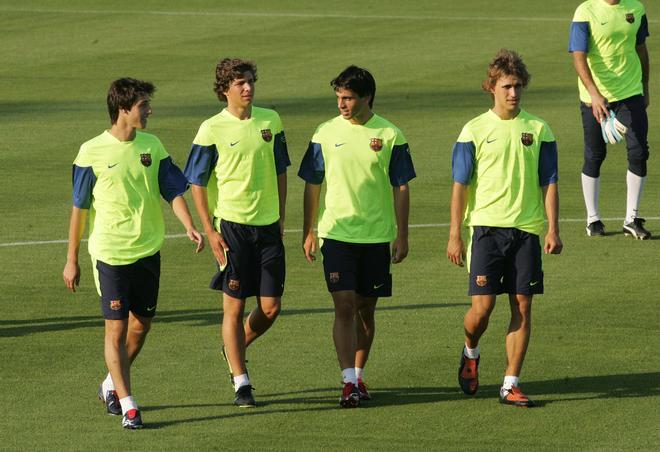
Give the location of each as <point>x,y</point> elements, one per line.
<point>376,144</point>
<point>630,18</point>
<point>527,139</point>
<point>145,159</point>
<point>267,135</point>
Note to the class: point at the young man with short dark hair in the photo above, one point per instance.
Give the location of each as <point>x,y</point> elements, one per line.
<point>240,154</point>
<point>366,164</point>
<point>119,177</point>
<point>504,167</point>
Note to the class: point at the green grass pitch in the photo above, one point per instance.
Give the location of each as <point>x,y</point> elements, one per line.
<point>593,361</point>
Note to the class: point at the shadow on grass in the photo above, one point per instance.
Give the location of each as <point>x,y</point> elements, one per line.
<point>325,399</point>
<point>199,317</point>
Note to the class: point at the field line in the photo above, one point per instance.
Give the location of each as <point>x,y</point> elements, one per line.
<point>292,15</point>
<point>289,231</point>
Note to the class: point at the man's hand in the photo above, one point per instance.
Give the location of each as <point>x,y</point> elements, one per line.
<point>71,275</point>
<point>195,236</point>
<point>399,249</point>
<point>553,243</point>
<point>456,251</point>
<point>599,107</point>
<point>310,245</point>
<point>219,246</point>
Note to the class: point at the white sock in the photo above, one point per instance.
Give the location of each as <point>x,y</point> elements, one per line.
<point>590,190</point>
<point>241,380</point>
<point>510,381</point>
<point>472,353</point>
<point>127,404</point>
<point>348,375</point>
<point>108,384</point>
<point>359,373</point>
<point>635,187</point>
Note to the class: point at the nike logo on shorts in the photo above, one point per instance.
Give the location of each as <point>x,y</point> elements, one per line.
<point>151,308</point>
<point>533,283</point>
<point>378,286</point>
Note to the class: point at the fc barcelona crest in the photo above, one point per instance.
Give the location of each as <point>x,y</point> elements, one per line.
<point>267,135</point>
<point>145,159</point>
<point>481,280</point>
<point>234,284</point>
<point>115,305</point>
<point>630,18</point>
<point>527,139</point>
<point>334,277</point>
<point>376,144</point>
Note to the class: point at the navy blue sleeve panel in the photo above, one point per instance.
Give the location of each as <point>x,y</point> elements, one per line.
<point>281,153</point>
<point>548,167</point>
<point>312,167</point>
<point>171,181</point>
<point>462,162</point>
<point>84,180</point>
<point>643,31</point>
<point>401,165</point>
<point>201,162</point>
<point>579,40</point>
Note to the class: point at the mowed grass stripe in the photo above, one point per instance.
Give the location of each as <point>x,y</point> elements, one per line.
<point>290,231</point>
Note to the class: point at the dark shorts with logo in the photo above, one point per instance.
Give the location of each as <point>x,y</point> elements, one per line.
<point>505,260</point>
<point>256,264</point>
<point>132,287</point>
<point>362,267</point>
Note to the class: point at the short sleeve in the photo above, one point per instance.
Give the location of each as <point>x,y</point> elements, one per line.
<point>312,167</point>
<point>83,179</point>
<point>548,163</point>
<point>171,181</point>
<point>462,161</point>
<point>643,31</point>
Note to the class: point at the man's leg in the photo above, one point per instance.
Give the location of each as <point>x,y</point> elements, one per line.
<point>345,338</point>
<point>517,339</point>
<point>474,324</point>
<point>517,336</point>
<point>365,324</point>
<point>595,152</point>
<point>476,319</point>
<point>233,333</point>
<point>138,328</point>
<point>119,366</point>
<point>261,318</point>
<point>116,357</point>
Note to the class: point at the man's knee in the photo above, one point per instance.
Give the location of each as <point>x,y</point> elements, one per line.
<point>272,309</point>
<point>637,164</point>
<point>591,166</point>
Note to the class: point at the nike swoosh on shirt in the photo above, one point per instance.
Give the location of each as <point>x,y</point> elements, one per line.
<point>490,141</point>
<point>339,144</point>
<point>234,144</point>
<point>112,166</point>
<point>603,23</point>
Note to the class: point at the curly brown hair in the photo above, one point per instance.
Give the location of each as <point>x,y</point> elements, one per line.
<point>506,63</point>
<point>228,70</point>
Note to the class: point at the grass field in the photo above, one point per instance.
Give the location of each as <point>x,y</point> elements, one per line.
<point>592,365</point>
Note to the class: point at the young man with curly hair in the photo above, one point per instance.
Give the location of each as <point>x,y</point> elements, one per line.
<point>504,167</point>
<point>238,160</point>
